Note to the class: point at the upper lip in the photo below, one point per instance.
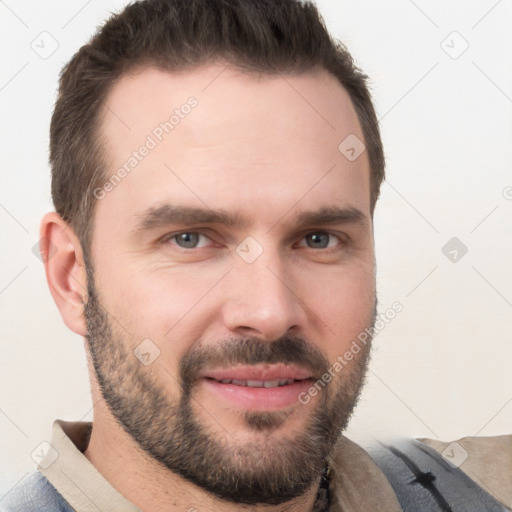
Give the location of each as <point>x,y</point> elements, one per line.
<point>266,372</point>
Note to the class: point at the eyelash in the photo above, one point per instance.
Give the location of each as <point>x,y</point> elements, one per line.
<point>343,239</point>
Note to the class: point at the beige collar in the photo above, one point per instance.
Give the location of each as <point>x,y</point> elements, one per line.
<point>74,477</point>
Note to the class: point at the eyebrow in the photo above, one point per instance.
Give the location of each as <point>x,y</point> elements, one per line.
<point>169,214</point>
<point>185,215</point>
<point>333,215</point>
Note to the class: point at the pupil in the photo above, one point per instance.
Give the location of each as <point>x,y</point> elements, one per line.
<point>319,239</point>
<point>188,239</point>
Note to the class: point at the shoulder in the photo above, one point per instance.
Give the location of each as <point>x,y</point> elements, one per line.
<point>34,493</point>
<point>486,460</point>
<point>357,483</point>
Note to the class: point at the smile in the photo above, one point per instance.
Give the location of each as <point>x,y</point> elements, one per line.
<point>258,383</point>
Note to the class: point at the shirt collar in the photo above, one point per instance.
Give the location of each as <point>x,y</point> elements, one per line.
<point>74,477</point>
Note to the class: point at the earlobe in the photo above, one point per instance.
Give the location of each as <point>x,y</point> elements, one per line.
<point>61,252</point>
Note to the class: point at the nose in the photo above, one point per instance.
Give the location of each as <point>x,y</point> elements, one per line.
<point>264,301</point>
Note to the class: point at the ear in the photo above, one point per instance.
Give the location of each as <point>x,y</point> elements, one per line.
<point>61,252</point>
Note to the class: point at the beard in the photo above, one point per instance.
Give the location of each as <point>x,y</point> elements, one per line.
<point>268,469</point>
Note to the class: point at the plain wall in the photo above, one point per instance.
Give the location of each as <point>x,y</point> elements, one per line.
<point>441,368</point>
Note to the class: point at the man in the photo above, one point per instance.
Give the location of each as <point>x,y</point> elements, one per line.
<point>215,169</point>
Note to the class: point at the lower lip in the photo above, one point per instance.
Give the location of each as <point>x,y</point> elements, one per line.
<point>259,399</point>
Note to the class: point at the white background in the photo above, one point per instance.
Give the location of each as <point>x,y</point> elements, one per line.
<point>442,368</point>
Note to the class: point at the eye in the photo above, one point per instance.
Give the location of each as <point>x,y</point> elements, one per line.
<point>189,240</point>
<point>320,240</point>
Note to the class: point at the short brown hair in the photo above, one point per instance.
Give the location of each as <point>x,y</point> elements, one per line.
<point>264,36</point>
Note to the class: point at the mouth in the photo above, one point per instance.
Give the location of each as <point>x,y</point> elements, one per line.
<point>258,383</point>
<point>257,388</point>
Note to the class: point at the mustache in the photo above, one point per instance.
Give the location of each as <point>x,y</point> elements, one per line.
<point>251,351</point>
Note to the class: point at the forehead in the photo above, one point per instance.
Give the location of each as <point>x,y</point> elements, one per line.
<point>215,134</point>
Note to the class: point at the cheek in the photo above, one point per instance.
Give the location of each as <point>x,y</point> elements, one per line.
<point>344,306</point>
<point>160,303</point>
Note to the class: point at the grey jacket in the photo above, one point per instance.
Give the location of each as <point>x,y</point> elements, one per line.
<point>35,494</point>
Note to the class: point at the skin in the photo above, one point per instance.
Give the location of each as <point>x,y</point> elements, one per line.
<point>265,149</point>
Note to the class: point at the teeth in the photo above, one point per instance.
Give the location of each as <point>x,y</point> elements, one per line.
<point>255,383</point>
<point>258,383</point>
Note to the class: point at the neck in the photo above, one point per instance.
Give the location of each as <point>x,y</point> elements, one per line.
<point>152,487</point>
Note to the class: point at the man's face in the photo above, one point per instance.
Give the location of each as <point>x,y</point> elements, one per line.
<point>235,259</point>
